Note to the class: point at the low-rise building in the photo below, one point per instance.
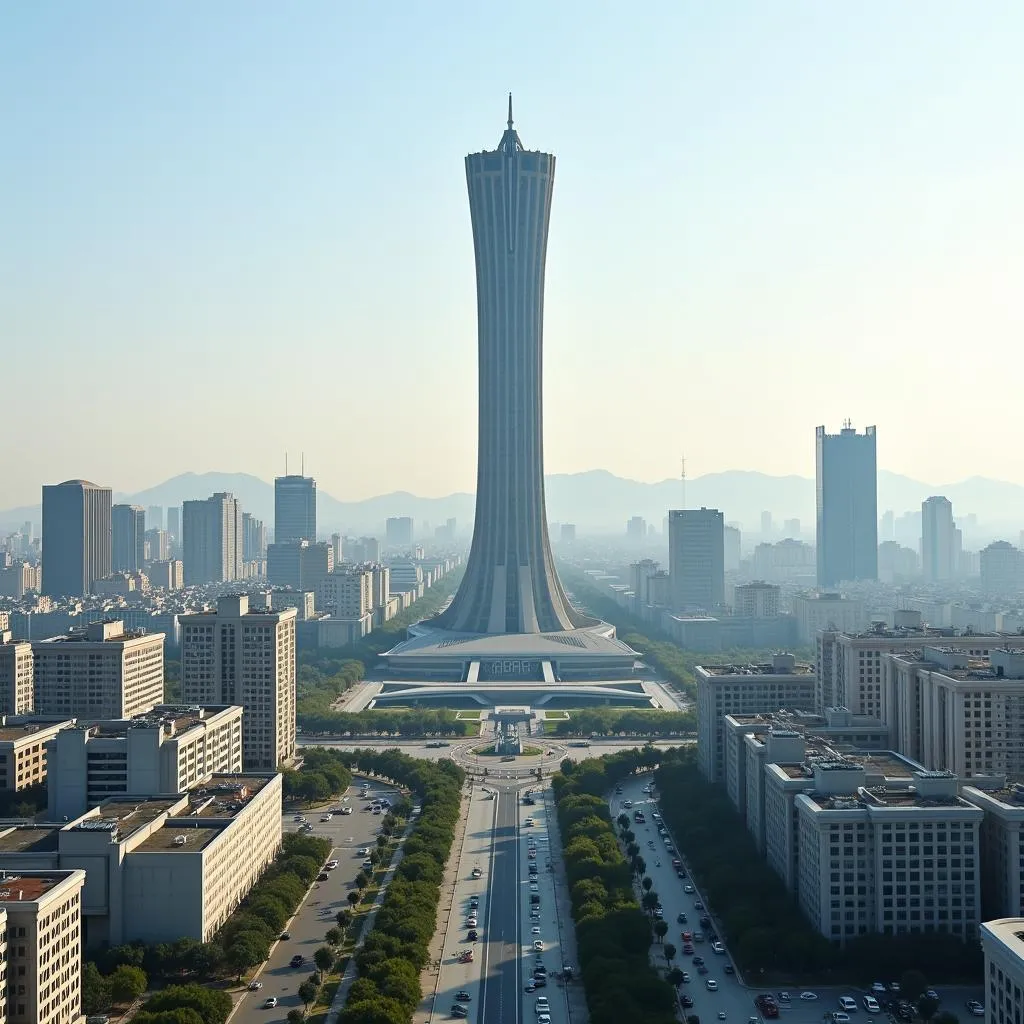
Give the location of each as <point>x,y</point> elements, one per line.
<point>101,671</point>
<point>168,750</point>
<point>163,868</point>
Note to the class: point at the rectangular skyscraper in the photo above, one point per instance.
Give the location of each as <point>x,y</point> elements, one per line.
<point>212,541</point>
<point>294,509</point>
<point>246,656</point>
<point>76,537</point>
<point>847,500</point>
<point>938,539</point>
<point>128,537</point>
<point>398,531</point>
<point>696,558</point>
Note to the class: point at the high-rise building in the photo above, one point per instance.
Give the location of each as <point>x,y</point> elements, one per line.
<point>76,537</point>
<point>294,509</point>
<point>767,526</point>
<point>155,517</point>
<point>791,528</point>
<point>733,539</point>
<point>1001,567</point>
<point>246,656</point>
<point>359,550</point>
<point>938,539</point>
<point>299,565</point>
<point>398,531</point>
<point>17,687</point>
<point>158,545</point>
<point>636,529</point>
<point>127,537</point>
<point>696,558</point>
<point>174,523</point>
<point>510,585</point>
<point>1002,942</point>
<point>847,505</point>
<point>212,539</point>
<point>254,538</point>
<point>101,671</point>
<point>757,600</point>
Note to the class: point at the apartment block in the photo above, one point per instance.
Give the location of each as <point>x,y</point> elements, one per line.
<point>17,675</point>
<point>24,758</point>
<point>299,564</point>
<point>743,690</point>
<point>162,868</point>
<point>1002,853</point>
<point>1002,942</point>
<point>880,859</point>
<point>168,750</point>
<point>757,600</point>
<point>102,671</point>
<point>213,539</point>
<point>245,656</point>
<point>43,956</point>
<point>959,707</point>
<point>855,659</point>
<point>347,592</point>
<point>166,574</point>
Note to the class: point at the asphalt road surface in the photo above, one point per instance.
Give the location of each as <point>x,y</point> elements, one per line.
<point>347,833</point>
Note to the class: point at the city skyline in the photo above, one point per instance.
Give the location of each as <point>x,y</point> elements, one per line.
<point>827,205</point>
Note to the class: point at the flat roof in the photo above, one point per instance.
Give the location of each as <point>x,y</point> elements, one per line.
<point>799,669</point>
<point>21,888</point>
<point>168,839</point>
<point>125,816</point>
<point>30,839</point>
<point>19,732</point>
<point>224,795</point>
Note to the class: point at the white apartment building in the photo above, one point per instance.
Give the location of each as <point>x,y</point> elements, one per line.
<point>1002,942</point>
<point>757,600</point>
<point>101,671</point>
<point>958,708</point>
<point>881,859</point>
<point>245,656</point>
<point>815,612</point>
<point>346,593</point>
<point>42,911</point>
<point>169,750</point>
<point>1002,853</point>
<point>162,868</point>
<point>17,675</point>
<point>854,660</point>
<point>743,690</point>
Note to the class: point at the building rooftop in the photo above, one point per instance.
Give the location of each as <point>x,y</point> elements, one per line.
<point>25,888</point>
<point>224,795</point>
<point>174,719</point>
<point>18,732</point>
<point>177,838</point>
<point>29,839</point>
<point>797,669</point>
<point>123,817</point>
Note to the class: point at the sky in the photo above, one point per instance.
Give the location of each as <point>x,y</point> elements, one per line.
<point>230,231</point>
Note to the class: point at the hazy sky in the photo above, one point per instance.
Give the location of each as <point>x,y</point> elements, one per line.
<point>228,230</point>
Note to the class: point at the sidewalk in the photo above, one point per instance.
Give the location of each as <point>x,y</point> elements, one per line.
<point>350,968</point>
<point>576,999</point>
<point>431,975</point>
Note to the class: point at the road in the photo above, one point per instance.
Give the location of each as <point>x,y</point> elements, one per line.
<point>732,998</point>
<point>307,928</point>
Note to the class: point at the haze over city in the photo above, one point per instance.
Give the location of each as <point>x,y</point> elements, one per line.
<point>234,231</point>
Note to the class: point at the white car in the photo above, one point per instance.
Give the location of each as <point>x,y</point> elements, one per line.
<point>471,922</point>
<point>535,930</point>
<point>541,1006</point>
<point>717,947</point>
<point>711,985</point>
<point>326,817</point>
<point>809,996</point>
<point>841,1018</point>
<point>270,1002</point>
<point>362,851</point>
<point>255,986</point>
<point>529,823</point>
<point>688,889</point>
<point>871,1004</point>
<point>476,872</point>
<point>538,945</point>
<point>847,1003</point>
<point>331,865</point>
<point>543,1018</point>
<point>878,988</point>
<point>346,810</point>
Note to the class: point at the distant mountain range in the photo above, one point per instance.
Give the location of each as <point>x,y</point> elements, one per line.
<point>596,501</point>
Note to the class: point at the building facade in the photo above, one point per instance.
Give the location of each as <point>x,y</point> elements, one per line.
<point>938,539</point>
<point>756,600</point>
<point>1002,943</point>
<point>294,509</point>
<point>128,537</point>
<point>696,558</point>
<point>76,537</point>
<point>212,540</point>
<point>847,506</point>
<point>17,675</point>
<point>245,656</point>
<point>102,671</point>
<point>510,585</point>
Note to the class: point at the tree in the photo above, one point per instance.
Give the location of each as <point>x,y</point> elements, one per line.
<point>354,897</point>
<point>647,884</point>
<point>912,985</point>
<point>649,901</point>
<point>295,1016</point>
<point>362,880</point>
<point>307,993</point>
<point>639,866</point>
<point>324,960</point>
<point>95,989</point>
<point>623,822</point>
<point>674,977</point>
<point>333,936</point>
<point>927,1007</point>
<point>661,930</point>
<point>382,841</point>
<point>632,850</point>
<point>127,983</point>
<point>945,1017</point>
<point>242,955</point>
<point>181,1015</point>
<point>670,952</point>
<point>212,1005</point>
<point>344,918</point>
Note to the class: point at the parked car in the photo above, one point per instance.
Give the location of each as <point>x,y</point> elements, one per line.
<point>847,1003</point>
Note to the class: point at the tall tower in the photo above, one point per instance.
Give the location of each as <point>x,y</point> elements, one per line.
<point>938,539</point>
<point>294,509</point>
<point>847,505</point>
<point>510,585</point>
<point>76,537</point>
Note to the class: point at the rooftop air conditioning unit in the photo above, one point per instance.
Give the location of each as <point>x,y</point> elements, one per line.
<point>179,840</point>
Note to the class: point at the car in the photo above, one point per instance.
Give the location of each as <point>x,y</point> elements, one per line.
<point>530,986</point>
<point>471,921</point>
<point>458,1010</point>
<point>462,996</point>
<point>669,848</point>
<point>974,1008</point>
<point>538,945</point>
<point>534,887</point>
<point>721,1014</point>
<point>705,922</point>
<point>687,1001</point>
<point>331,865</point>
<point>689,890</point>
<point>717,947</point>
<point>697,905</point>
<point>541,1005</point>
<point>847,1003</point>
<point>627,804</point>
<point>677,863</point>
<point>698,961</point>
<point>474,902</point>
<point>784,997</point>
<point>687,949</point>
<point>529,823</point>
<point>932,994</point>
<point>728,968</point>
<point>326,817</point>
<point>841,1018</point>
<point>346,810</point>
<point>711,985</point>
<point>535,912</point>
<point>363,851</point>
<point>681,918</point>
<point>255,986</point>
<point>894,987</point>
<point>299,818</point>
<point>466,956</point>
<point>535,930</point>
<point>476,872</point>
<point>647,789</point>
<point>650,844</point>
<point>270,1002</point>
<point>544,1018</point>
<point>538,973</point>
<point>809,997</point>
<point>686,978</point>
<point>702,969</point>
<point>322,877</point>
<point>472,935</point>
<point>541,981</point>
<point>298,960</point>
<point>285,936</point>
<point>532,855</point>
<point>870,1003</point>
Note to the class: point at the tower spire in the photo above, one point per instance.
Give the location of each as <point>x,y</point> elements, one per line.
<point>510,110</point>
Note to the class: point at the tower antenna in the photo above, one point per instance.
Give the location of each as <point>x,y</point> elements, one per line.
<point>285,463</point>
<point>510,110</point>
<point>302,465</point>
<point>682,477</point>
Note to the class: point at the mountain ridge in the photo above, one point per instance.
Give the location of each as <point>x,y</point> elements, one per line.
<point>595,500</point>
